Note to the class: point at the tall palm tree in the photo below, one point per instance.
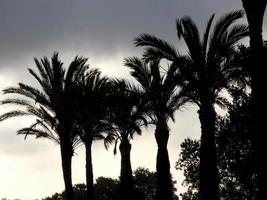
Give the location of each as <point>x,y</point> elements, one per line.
<point>162,97</point>
<point>255,13</point>
<point>91,116</point>
<point>207,68</point>
<point>50,104</point>
<point>126,115</point>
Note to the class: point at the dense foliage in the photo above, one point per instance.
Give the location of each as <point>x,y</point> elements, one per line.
<point>108,188</point>
<point>235,156</point>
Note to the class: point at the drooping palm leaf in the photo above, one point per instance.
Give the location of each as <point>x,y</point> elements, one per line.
<point>157,43</point>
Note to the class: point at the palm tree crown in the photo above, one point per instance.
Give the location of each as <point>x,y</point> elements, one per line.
<point>51,105</point>
<point>91,104</point>
<point>126,115</point>
<point>162,98</point>
<point>91,111</point>
<point>210,59</point>
<point>206,69</point>
<point>126,111</point>
<point>160,87</point>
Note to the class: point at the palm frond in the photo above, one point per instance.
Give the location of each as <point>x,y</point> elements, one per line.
<point>223,25</point>
<point>236,33</point>
<point>43,82</point>
<point>43,115</point>
<point>26,91</point>
<point>38,133</point>
<point>139,71</point>
<point>115,146</point>
<point>44,69</point>
<point>47,66</point>
<point>33,93</point>
<point>109,139</point>
<point>12,114</point>
<point>178,100</point>
<point>76,71</point>
<point>16,101</point>
<point>151,53</point>
<point>156,43</point>
<point>136,128</point>
<point>57,72</point>
<point>206,34</point>
<point>188,30</point>
<point>31,127</point>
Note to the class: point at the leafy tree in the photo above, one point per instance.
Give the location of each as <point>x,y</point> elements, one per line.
<point>106,188</point>
<point>162,99</point>
<point>189,161</point>
<point>109,188</point>
<point>126,116</point>
<point>146,183</point>
<point>207,69</point>
<point>235,156</point>
<point>51,105</point>
<point>55,196</point>
<point>80,191</point>
<point>255,15</point>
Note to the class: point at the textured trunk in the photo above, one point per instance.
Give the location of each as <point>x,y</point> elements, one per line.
<point>126,175</point>
<point>255,13</point>
<point>164,184</point>
<point>66,157</point>
<point>89,170</point>
<point>209,183</point>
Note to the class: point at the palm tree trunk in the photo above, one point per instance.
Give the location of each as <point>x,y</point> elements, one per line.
<point>209,182</point>
<point>126,175</point>
<point>255,13</point>
<point>66,157</point>
<point>89,170</point>
<point>258,132</point>
<point>164,183</point>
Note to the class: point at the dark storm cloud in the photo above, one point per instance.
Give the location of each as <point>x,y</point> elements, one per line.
<point>97,27</point>
<point>101,29</point>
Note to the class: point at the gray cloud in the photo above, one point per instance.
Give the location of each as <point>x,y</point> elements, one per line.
<point>99,29</point>
<point>34,27</point>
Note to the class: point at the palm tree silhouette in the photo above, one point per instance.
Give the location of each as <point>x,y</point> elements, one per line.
<point>126,116</point>
<point>91,115</point>
<point>159,88</point>
<point>255,13</point>
<point>51,105</point>
<point>207,68</point>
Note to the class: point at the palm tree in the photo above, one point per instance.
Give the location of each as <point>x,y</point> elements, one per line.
<point>91,116</point>
<point>126,115</point>
<point>207,68</point>
<point>50,104</point>
<point>162,97</point>
<point>255,13</point>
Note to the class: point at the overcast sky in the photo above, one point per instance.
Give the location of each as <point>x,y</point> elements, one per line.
<point>102,30</point>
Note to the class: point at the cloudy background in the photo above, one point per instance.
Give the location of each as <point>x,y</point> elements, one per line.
<point>102,30</point>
